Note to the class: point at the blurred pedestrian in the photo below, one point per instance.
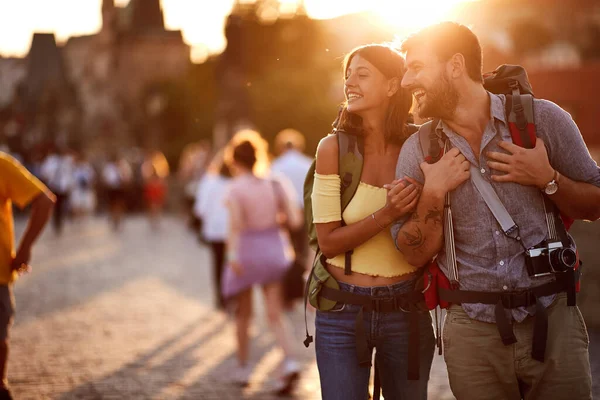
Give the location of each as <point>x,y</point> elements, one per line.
<point>258,251</point>
<point>294,164</point>
<point>155,190</point>
<point>57,173</point>
<point>19,187</point>
<point>116,176</point>
<point>211,209</point>
<point>192,164</point>
<point>83,195</point>
<point>155,171</point>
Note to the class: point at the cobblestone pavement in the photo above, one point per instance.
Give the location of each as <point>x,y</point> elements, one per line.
<point>129,315</point>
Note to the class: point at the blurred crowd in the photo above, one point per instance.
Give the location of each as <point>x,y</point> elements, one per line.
<point>236,200</point>
<point>117,182</point>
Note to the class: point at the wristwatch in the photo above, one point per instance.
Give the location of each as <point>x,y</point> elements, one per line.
<point>552,186</point>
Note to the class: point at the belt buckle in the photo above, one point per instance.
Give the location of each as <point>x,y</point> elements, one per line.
<point>506,300</point>
<point>512,300</point>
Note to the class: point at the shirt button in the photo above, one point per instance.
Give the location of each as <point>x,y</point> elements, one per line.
<point>483,170</point>
<point>505,287</point>
<point>497,232</point>
<point>501,262</point>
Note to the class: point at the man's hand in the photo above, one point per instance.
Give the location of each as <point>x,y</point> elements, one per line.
<point>529,167</point>
<point>21,261</point>
<point>402,197</point>
<point>448,173</point>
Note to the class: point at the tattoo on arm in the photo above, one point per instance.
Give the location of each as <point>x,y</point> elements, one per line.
<point>414,239</point>
<point>414,217</point>
<point>435,215</point>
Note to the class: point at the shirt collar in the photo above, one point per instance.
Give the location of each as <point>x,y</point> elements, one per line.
<point>497,106</point>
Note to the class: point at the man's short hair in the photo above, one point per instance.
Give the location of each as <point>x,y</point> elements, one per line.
<point>449,38</point>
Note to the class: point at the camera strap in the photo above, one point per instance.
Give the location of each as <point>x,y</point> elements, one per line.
<point>485,189</point>
<point>554,225</point>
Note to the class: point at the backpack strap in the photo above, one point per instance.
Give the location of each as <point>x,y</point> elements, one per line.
<point>350,161</point>
<point>519,108</point>
<point>522,127</point>
<point>432,144</point>
<point>519,113</point>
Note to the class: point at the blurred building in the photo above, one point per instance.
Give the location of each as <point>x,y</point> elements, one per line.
<point>576,90</point>
<point>116,69</point>
<point>95,88</point>
<point>12,71</point>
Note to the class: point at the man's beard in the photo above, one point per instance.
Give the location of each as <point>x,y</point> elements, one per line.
<point>441,101</point>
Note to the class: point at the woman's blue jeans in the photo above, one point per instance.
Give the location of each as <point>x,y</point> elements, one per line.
<point>341,376</point>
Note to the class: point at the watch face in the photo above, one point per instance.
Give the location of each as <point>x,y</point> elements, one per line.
<point>551,188</point>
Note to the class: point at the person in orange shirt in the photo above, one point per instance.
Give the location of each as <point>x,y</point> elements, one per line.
<point>17,186</point>
<point>155,191</point>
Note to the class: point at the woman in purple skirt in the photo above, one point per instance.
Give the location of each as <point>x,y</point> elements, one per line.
<point>258,251</point>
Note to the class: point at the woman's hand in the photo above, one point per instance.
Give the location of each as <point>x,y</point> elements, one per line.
<point>402,197</point>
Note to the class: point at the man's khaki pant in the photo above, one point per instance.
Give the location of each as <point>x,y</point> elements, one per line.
<point>480,367</point>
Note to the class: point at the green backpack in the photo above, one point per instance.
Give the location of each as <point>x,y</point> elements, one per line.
<point>350,164</point>
<point>350,161</point>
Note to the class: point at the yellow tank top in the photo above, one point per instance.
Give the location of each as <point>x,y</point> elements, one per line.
<point>378,256</point>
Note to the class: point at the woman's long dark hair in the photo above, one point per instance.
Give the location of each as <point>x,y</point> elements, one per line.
<point>391,64</point>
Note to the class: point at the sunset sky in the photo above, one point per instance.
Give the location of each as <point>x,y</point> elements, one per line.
<point>200,20</point>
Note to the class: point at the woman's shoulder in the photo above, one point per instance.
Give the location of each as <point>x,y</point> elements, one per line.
<point>327,155</point>
<point>328,146</point>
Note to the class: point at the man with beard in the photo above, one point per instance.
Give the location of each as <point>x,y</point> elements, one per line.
<point>444,74</point>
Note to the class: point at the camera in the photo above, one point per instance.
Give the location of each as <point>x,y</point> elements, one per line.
<point>549,258</point>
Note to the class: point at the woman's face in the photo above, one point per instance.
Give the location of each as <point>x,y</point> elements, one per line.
<point>365,87</point>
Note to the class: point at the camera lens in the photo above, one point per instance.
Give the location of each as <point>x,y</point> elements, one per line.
<point>562,259</point>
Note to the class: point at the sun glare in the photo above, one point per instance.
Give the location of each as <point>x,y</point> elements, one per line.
<point>201,21</point>
<point>400,14</point>
<point>415,14</point>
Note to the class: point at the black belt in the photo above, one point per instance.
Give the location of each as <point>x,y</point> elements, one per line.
<point>406,302</point>
<point>522,298</point>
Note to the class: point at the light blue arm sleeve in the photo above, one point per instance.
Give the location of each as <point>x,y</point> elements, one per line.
<point>566,148</point>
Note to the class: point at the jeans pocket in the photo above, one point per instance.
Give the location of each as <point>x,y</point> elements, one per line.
<point>339,307</point>
<point>445,335</point>
<point>456,315</point>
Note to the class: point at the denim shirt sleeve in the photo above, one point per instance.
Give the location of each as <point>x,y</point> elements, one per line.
<point>409,165</point>
<point>566,149</point>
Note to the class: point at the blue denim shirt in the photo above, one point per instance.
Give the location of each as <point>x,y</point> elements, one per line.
<point>487,259</point>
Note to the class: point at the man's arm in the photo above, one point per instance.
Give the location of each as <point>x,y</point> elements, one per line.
<point>420,238</point>
<point>562,149</point>
<point>41,209</point>
<point>578,200</point>
<point>22,188</point>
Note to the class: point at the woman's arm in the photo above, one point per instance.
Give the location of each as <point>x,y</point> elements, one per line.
<point>335,239</point>
<point>233,234</point>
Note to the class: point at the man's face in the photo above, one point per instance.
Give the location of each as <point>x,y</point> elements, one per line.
<point>429,81</point>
